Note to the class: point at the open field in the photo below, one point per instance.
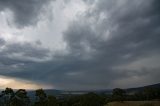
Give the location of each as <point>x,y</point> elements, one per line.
<point>135,103</point>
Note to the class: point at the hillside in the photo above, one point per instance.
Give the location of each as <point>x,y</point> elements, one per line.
<point>129,90</point>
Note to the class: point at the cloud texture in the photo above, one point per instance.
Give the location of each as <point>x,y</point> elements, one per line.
<point>110,44</point>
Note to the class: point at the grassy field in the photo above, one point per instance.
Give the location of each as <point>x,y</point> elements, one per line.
<point>135,103</point>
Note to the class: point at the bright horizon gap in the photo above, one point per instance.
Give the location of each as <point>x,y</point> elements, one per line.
<point>14,83</point>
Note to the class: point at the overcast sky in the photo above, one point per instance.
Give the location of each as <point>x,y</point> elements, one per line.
<point>79,44</point>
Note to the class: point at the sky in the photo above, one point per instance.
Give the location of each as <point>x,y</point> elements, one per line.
<point>79,44</point>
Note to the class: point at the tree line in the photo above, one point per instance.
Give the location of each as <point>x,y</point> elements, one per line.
<point>9,97</point>
<point>20,98</point>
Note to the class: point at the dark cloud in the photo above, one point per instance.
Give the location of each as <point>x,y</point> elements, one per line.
<point>2,42</point>
<point>16,56</point>
<point>114,43</point>
<point>27,49</point>
<point>26,12</point>
<point>131,29</point>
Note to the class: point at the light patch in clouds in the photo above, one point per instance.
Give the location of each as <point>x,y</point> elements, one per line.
<point>49,29</point>
<point>20,84</point>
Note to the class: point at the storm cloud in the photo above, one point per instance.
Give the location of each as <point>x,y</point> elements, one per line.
<point>112,35</point>
<point>110,44</point>
<point>25,13</point>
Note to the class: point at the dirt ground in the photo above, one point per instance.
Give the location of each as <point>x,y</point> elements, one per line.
<point>135,103</point>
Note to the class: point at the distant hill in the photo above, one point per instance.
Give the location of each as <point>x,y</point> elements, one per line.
<point>141,88</point>
<point>79,92</point>
<point>54,92</point>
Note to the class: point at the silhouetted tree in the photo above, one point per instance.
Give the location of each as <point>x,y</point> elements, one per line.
<point>149,93</point>
<point>20,98</point>
<point>118,94</point>
<point>52,101</point>
<point>41,98</point>
<point>158,93</point>
<point>90,99</point>
<point>6,96</point>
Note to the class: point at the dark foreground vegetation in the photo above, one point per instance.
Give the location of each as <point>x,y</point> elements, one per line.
<point>9,97</point>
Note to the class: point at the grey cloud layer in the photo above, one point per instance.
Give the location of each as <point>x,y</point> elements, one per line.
<point>26,12</point>
<point>2,42</point>
<point>105,46</point>
<point>15,56</point>
<point>112,34</point>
